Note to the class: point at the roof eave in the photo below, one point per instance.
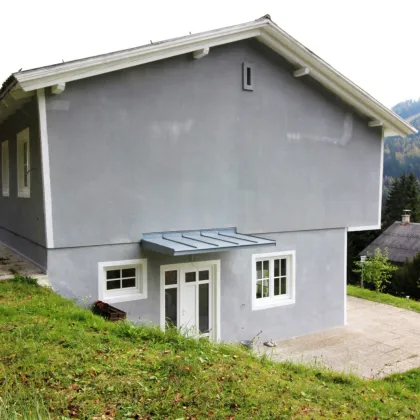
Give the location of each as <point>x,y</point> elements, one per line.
<point>297,53</point>
<point>78,69</point>
<point>263,29</point>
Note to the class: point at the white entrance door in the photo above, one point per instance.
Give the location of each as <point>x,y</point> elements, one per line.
<point>196,300</point>
<point>189,297</point>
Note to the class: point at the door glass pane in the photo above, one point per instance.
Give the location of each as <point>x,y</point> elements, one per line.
<point>171,277</point>
<point>276,287</point>
<point>113,284</point>
<point>203,308</point>
<point>265,269</point>
<point>190,277</point>
<point>283,267</point>
<point>283,286</point>
<point>171,311</point>
<point>203,275</point>
<point>129,282</point>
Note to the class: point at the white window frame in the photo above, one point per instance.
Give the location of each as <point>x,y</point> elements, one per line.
<point>5,168</point>
<point>281,300</point>
<point>22,167</point>
<point>245,68</point>
<point>123,295</point>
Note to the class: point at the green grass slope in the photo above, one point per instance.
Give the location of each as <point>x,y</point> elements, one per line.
<point>404,303</point>
<point>60,361</point>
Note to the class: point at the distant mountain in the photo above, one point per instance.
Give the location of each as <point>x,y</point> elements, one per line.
<point>407,109</point>
<point>403,155</point>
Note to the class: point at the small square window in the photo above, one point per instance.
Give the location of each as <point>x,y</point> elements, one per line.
<point>273,279</point>
<point>123,280</point>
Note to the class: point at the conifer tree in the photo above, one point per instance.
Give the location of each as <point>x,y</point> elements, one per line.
<point>404,194</point>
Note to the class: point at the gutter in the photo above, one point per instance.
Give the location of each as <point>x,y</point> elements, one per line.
<point>8,86</point>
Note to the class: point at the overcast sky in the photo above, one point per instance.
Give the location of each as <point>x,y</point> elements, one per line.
<point>372,42</point>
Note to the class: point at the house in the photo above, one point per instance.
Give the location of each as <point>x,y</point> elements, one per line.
<point>207,181</point>
<point>401,240</point>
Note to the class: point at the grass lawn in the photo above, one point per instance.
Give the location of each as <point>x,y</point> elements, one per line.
<point>60,361</point>
<point>383,298</point>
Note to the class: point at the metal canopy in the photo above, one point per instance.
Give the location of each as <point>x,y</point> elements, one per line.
<point>200,241</point>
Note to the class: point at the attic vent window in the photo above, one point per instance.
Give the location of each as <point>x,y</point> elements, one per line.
<point>247,76</point>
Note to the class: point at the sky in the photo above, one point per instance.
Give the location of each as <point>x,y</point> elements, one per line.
<point>373,43</point>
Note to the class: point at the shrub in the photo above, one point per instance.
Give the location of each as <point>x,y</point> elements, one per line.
<point>377,270</point>
<point>25,280</point>
<point>406,280</point>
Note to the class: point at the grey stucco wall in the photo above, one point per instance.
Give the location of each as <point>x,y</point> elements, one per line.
<point>22,221</point>
<point>177,144</point>
<point>320,283</point>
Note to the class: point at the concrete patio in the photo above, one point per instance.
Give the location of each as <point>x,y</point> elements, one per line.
<point>11,263</point>
<point>378,340</point>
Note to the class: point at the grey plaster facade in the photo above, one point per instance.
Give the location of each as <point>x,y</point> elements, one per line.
<point>320,283</point>
<point>179,144</point>
<point>22,220</point>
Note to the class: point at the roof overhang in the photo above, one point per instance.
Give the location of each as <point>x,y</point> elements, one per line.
<point>13,98</point>
<point>264,29</point>
<point>200,241</point>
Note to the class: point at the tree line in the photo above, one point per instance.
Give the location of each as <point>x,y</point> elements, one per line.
<point>403,194</point>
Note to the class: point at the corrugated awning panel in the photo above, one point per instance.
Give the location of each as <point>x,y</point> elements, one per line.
<point>200,241</point>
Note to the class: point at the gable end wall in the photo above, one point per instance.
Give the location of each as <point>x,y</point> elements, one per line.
<point>178,144</point>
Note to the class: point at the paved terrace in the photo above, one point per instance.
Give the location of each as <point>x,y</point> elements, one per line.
<point>11,262</point>
<point>378,340</point>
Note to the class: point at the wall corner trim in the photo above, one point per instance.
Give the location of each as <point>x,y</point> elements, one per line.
<point>381,179</point>
<point>345,277</point>
<point>360,228</point>
<point>45,158</point>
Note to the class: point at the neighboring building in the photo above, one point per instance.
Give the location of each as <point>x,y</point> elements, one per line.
<point>127,177</point>
<point>401,240</point>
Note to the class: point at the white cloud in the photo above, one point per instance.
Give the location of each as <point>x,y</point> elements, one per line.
<point>371,42</point>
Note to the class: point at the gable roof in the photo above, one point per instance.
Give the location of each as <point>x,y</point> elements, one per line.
<point>402,241</point>
<point>263,29</point>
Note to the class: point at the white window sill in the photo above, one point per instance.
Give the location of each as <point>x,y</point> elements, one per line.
<point>5,194</point>
<point>257,306</point>
<point>124,298</point>
<point>24,194</point>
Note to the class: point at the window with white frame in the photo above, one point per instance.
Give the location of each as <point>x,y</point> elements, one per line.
<point>23,164</point>
<point>273,279</point>
<point>121,281</point>
<point>5,168</point>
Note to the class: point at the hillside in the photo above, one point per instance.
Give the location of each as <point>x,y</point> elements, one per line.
<point>60,361</point>
<point>403,155</point>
